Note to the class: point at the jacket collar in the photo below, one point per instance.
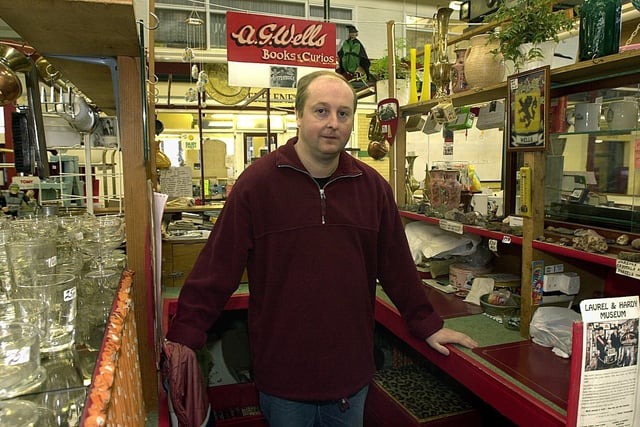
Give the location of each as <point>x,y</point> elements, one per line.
<point>286,156</point>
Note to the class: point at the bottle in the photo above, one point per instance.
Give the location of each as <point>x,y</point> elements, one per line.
<point>600,25</point>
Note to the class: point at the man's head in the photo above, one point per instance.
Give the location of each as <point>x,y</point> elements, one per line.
<point>302,92</point>
<point>14,188</point>
<point>325,111</point>
<point>353,31</point>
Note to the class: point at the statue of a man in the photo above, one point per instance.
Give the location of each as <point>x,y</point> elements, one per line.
<point>353,61</point>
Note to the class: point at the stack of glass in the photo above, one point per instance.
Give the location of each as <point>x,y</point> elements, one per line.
<point>53,271</point>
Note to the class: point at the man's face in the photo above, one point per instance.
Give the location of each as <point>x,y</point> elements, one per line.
<point>325,126</point>
<point>353,35</point>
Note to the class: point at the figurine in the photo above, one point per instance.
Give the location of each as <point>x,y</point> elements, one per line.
<point>15,200</point>
<point>352,57</point>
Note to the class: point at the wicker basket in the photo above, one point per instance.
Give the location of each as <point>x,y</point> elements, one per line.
<point>510,308</point>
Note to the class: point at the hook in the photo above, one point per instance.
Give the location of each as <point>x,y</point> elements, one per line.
<point>156,22</point>
<point>154,80</point>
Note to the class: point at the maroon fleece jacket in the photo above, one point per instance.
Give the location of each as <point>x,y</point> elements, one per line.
<point>312,256</point>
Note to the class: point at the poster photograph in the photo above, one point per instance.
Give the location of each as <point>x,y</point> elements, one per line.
<point>609,379</point>
<point>527,94</point>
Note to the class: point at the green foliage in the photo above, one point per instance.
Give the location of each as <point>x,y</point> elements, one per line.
<point>380,67</point>
<point>527,21</point>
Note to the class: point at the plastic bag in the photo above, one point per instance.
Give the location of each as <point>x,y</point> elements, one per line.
<point>430,241</point>
<point>553,327</point>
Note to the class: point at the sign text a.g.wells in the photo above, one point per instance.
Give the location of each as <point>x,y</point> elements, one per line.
<point>264,51</point>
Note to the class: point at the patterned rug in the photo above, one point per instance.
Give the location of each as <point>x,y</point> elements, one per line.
<point>423,394</point>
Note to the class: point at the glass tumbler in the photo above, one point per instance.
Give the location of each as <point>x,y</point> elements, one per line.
<point>19,355</point>
<point>25,310</point>
<point>59,292</point>
<point>30,257</point>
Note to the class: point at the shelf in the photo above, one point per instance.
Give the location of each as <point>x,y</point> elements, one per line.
<point>607,260</point>
<point>64,29</point>
<point>620,64</point>
<point>501,237</point>
<point>596,133</point>
<point>600,259</point>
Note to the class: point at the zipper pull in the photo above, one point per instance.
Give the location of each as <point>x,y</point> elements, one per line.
<point>344,404</point>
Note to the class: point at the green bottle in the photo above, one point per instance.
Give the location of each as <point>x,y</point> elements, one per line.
<point>600,24</point>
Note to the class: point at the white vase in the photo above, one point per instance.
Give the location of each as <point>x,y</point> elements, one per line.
<point>402,90</point>
<point>548,49</point>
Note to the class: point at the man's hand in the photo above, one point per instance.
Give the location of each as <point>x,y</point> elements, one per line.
<point>449,336</point>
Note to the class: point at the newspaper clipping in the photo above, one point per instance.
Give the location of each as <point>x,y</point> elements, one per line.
<point>609,380</point>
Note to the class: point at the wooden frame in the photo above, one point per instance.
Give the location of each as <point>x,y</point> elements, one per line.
<point>527,96</point>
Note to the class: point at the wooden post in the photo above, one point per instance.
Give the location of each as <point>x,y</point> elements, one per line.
<point>533,226</point>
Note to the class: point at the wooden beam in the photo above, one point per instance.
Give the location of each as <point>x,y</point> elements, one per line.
<point>137,214</point>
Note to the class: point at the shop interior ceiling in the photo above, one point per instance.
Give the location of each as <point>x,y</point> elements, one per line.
<point>123,42</point>
<point>99,89</point>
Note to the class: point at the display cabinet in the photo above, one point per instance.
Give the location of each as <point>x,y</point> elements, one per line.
<point>585,179</point>
<point>106,66</point>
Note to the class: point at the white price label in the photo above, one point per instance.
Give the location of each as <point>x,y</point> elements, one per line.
<point>506,240</point>
<point>452,226</point>
<point>69,294</point>
<point>493,245</point>
<point>628,268</point>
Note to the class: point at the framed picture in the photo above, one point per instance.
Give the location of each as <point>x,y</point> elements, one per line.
<point>527,96</point>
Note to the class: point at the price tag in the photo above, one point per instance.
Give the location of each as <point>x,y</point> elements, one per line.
<point>506,240</point>
<point>628,268</point>
<point>455,227</point>
<point>516,221</point>
<point>493,245</point>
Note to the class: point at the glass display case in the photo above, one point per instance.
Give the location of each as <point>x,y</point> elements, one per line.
<point>591,169</point>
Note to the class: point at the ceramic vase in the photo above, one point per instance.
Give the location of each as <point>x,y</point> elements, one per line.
<point>600,24</point>
<point>545,49</point>
<point>481,66</point>
<point>458,81</point>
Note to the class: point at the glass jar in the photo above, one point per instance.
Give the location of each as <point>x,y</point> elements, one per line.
<point>445,189</point>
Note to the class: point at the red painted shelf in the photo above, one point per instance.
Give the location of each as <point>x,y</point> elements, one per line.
<point>501,237</point>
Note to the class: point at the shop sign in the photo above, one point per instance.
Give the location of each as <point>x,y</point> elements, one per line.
<point>269,51</point>
<point>272,40</point>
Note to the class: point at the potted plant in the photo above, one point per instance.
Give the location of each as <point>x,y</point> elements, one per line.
<point>530,23</point>
<point>379,69</point>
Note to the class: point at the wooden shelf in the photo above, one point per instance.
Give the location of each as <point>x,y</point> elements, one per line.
<point>80,29</point>
<point>621,64</point>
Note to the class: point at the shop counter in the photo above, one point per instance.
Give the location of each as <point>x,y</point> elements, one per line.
<point>523,381</point>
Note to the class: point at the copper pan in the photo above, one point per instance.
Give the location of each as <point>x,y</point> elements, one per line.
<point>11,62</point>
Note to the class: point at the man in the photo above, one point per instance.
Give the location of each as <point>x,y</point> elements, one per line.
<point>352,57</point>
<point>601,345</point>
<point>614,339</point>
<point>315,229</point>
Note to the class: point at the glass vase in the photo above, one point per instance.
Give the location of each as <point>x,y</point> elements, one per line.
<point>600,24</point>
<point>458,81</point>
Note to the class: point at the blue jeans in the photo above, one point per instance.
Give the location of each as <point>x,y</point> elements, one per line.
<point>348,412</point>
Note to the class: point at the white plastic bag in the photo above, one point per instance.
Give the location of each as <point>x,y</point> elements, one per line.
<point>553,327</point>
<point>430,241</point>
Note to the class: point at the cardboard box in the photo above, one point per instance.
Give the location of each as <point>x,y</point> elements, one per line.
<point>568,283</point>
